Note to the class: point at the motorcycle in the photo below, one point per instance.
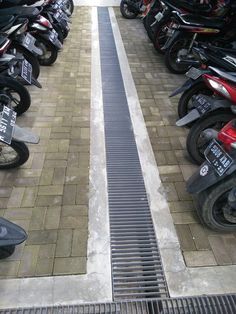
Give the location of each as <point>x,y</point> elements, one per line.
<point>211,112</point>
<point>213,184</point>
<point>206,56</point>
<point>13,151</point>
<point>10,236</point>
<point>185,30</point>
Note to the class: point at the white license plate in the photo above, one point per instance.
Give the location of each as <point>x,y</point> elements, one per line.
<point>7,122</point>
<point>194,73</point>
<point>159,16</point>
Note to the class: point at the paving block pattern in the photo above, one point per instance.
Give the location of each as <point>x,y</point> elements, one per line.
<point>200,246</point>
<point>48,196</point>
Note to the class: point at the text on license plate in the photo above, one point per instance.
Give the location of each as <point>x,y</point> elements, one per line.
<point>7,122</point>
<point>218,158</point>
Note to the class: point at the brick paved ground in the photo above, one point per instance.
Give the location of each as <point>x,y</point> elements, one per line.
<point>200,246</point>
<point>48,196</point>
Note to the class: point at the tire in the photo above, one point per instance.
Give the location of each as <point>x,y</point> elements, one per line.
<point>6,251</point>
<point>147,22</point>
<point>215,120</point>
<point>70,6</point>
<point>59,31</point>
<point>210,204</point>
<point>18,95</point>
<point>50,52</point>
<point>185,101</point>
<point>159,37</point>
<point>16,152</point>
<point>171,55</point>
<point>125,11</point>
<point>30,58</point>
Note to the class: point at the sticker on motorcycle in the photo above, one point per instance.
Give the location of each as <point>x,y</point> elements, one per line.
<point>7,122</point>
<point>218,158</point>
<point>204,171</point>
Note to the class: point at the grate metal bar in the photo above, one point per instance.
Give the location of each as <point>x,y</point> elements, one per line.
<point>136,263</point>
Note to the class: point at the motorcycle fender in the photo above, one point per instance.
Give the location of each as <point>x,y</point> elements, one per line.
<point>187,84</point>
<point>171,39</point>
<point>35,82</point>
<point>57,44</point>
<point>190,117</point>
<point>24,135</point>
<point>205,177</point>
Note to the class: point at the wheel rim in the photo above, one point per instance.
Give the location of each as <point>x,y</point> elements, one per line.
<point>7,154</point>
<point>173,55</point>
<point>127,11</point>
<point>47,52</point>
<point>201,142</point>
<point>217,210</point>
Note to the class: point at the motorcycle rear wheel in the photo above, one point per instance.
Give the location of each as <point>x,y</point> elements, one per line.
<point>19,96</point>
<point>6,251</point>
<point>211,203</point>
<point>126,13</point>
<point>160,35</point>
<point>195,144</point>
<point>13,155</point>
<point>50,52</point>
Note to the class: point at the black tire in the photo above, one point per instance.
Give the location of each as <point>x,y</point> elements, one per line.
<point>160,36</point>
<point>59,31</point>
<point>70,6</point>
<point>13,155</point>
<point>124,10</point>
<point>30,58</point>
<point>50,52</point>
<point>185,101</point>
<point>6,251</point>
<point>171,55</point>
<point>211,202</point>
<point>19,96</point>
<point>215,120</point>
<point>147,22</point>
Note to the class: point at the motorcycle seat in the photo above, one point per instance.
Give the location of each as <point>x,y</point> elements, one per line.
<point>226,75</point>
<point>22,12</point>
<point>6,22</point>
<point>201,21</point>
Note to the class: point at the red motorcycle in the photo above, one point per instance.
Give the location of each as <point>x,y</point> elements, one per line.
<point>213,184</point>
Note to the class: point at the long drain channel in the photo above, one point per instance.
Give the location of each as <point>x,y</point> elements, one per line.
<point>137,270</point>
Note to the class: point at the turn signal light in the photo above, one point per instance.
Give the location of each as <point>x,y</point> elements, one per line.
<point>227,134</point>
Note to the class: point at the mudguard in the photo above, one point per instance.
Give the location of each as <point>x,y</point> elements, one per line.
<point>206,177</point>
<point>195,114</point>
<point>171,39</point>
<point>46,36</point>
<point>187,84</point>
<point>24,135</point>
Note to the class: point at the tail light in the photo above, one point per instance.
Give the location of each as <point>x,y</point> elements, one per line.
<point>227,135</point>
<point>221,87</point>
<point>43,21</point>
<point>5,46</point>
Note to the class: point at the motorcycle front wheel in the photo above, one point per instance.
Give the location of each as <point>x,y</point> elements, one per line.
<point>13,155</point>
<point>125,11</point>
<point>160,35</point>
<point>196,144</point>
<point>211,203</point>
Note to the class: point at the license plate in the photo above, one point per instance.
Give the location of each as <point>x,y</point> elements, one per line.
<point>7,122</point>
<point>26,71</point>
<point>28,42</point>
<point>194,73</point>
<point>61,18</point>
<point>59,4</point>
<point>159,16</point>
<point>53,36</point>
<point>202,104</point>
<point>218,158</point>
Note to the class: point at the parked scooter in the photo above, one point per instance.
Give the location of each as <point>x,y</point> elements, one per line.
<point>213,184</point>
<point>205,55</point>
<point>211,112</point>
<point>10,236</point>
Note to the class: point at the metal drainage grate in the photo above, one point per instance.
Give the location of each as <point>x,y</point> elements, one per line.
<point>222,304</point>
<point>137,270</point>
